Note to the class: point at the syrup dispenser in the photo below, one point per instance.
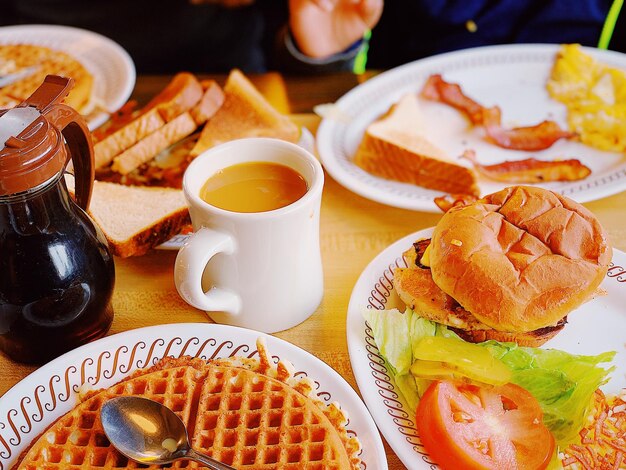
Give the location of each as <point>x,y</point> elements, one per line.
<point>56,271</point>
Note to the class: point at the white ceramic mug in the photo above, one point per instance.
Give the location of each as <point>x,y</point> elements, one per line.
<point>259,270</point>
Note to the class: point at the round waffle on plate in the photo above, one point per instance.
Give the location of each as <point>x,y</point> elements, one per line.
<point>244,412</point>
<point>42,61</point>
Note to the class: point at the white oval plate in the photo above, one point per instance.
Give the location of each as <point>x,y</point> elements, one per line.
<point>511,76</point>
<point>595,327</point>
<point>112,68</point>
<point>32,405</point>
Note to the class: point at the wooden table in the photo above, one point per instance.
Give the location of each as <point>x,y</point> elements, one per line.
<point>353,231</point>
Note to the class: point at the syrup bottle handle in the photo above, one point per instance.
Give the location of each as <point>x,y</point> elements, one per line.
<point>78,139</point>
<point>47,100</point>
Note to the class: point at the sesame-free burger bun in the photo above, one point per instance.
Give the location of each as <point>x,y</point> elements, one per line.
<point>519,259</point>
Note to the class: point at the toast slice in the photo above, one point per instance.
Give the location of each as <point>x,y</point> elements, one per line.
<point>170,132</point>
<point>178,97</point>
<point>148,147</point>
<point>168,166</point>
<point>393,148</point>
<point>245,113</point>
<point>135,219</point>
<point>125,137</point>
<point>211,101</point>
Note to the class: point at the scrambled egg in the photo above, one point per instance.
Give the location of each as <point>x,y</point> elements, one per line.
<point>595,96</point>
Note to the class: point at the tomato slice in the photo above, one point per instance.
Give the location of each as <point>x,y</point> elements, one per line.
<point>465,426</point>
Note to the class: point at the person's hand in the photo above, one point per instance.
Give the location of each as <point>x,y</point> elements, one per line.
<point>322,28</point>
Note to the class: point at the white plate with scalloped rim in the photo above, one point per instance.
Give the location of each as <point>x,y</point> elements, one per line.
<point>595,327</point>
<point>111,66</point>
<point>33,404</point>
<point>511,76</point>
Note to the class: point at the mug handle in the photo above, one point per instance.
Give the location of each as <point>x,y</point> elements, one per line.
<point>191,261</point>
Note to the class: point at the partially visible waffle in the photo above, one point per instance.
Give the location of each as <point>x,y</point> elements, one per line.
<point>248,413</point>
<point>17,57</point>
<point>77,440</point>
<point>255,416</point>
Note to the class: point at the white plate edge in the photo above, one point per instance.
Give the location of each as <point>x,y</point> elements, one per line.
<point>355,327</point>
<point>275,344</point>
<point>326,131</point>
<point>123,93</point>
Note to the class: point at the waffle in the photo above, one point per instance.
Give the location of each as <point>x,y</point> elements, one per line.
<point>16,57</point>
<point>77,440</point>
<point>250,420</point>
<point>247,413</point>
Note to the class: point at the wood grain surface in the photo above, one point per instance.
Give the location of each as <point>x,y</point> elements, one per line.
<point>353,231</point>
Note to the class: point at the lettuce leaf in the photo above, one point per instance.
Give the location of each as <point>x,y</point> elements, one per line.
<point>563,383</point>
<point>392,337</point>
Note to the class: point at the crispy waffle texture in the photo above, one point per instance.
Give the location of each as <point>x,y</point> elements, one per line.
<point>16,57</point>
<point>77,440</point>
<point>247,413</point>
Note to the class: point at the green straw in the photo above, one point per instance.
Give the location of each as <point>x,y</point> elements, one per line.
<point>609,24</point>
<point>361,58</point>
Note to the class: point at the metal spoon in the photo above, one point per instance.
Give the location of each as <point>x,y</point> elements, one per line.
<point>147,432</point>
<point>9,78</point>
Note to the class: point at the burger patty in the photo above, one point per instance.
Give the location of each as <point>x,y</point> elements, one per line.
<point>416,288</point>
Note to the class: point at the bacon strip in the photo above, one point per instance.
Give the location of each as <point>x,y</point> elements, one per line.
<point>447,202</point>
<point>437,89</point>
<point>530,170</point>
<point>530,138</point>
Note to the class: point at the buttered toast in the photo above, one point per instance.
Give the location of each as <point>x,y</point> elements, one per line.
<point>393,148</point>
<point>245,113</point>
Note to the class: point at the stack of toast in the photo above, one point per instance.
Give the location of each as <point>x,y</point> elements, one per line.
<point>141,155</point>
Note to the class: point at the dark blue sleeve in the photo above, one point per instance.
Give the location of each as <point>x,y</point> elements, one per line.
<point>288,58</point>
<point>413,29</point>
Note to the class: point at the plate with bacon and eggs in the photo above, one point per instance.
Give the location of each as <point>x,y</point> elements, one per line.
<point>568,130</point>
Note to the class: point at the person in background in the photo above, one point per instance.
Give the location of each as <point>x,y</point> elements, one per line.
<point>403,31</point>
<point>325,35</point>
<point>168,36</point>
<point>313,36</point>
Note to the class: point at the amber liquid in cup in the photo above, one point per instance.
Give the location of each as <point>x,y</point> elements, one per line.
<point>254,187</point>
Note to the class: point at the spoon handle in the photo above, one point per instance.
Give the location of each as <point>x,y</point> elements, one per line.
<point>206,460</point>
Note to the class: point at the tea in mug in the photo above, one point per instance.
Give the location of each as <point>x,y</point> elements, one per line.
<point>254,187</point>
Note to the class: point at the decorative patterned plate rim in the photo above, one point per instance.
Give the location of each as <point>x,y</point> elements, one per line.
<point>89,48</point>
<point>339,133</point>
<point>373,289</point>
<point>47,393</point>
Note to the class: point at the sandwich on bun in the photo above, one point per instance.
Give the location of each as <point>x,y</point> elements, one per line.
<point>508,267</point>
